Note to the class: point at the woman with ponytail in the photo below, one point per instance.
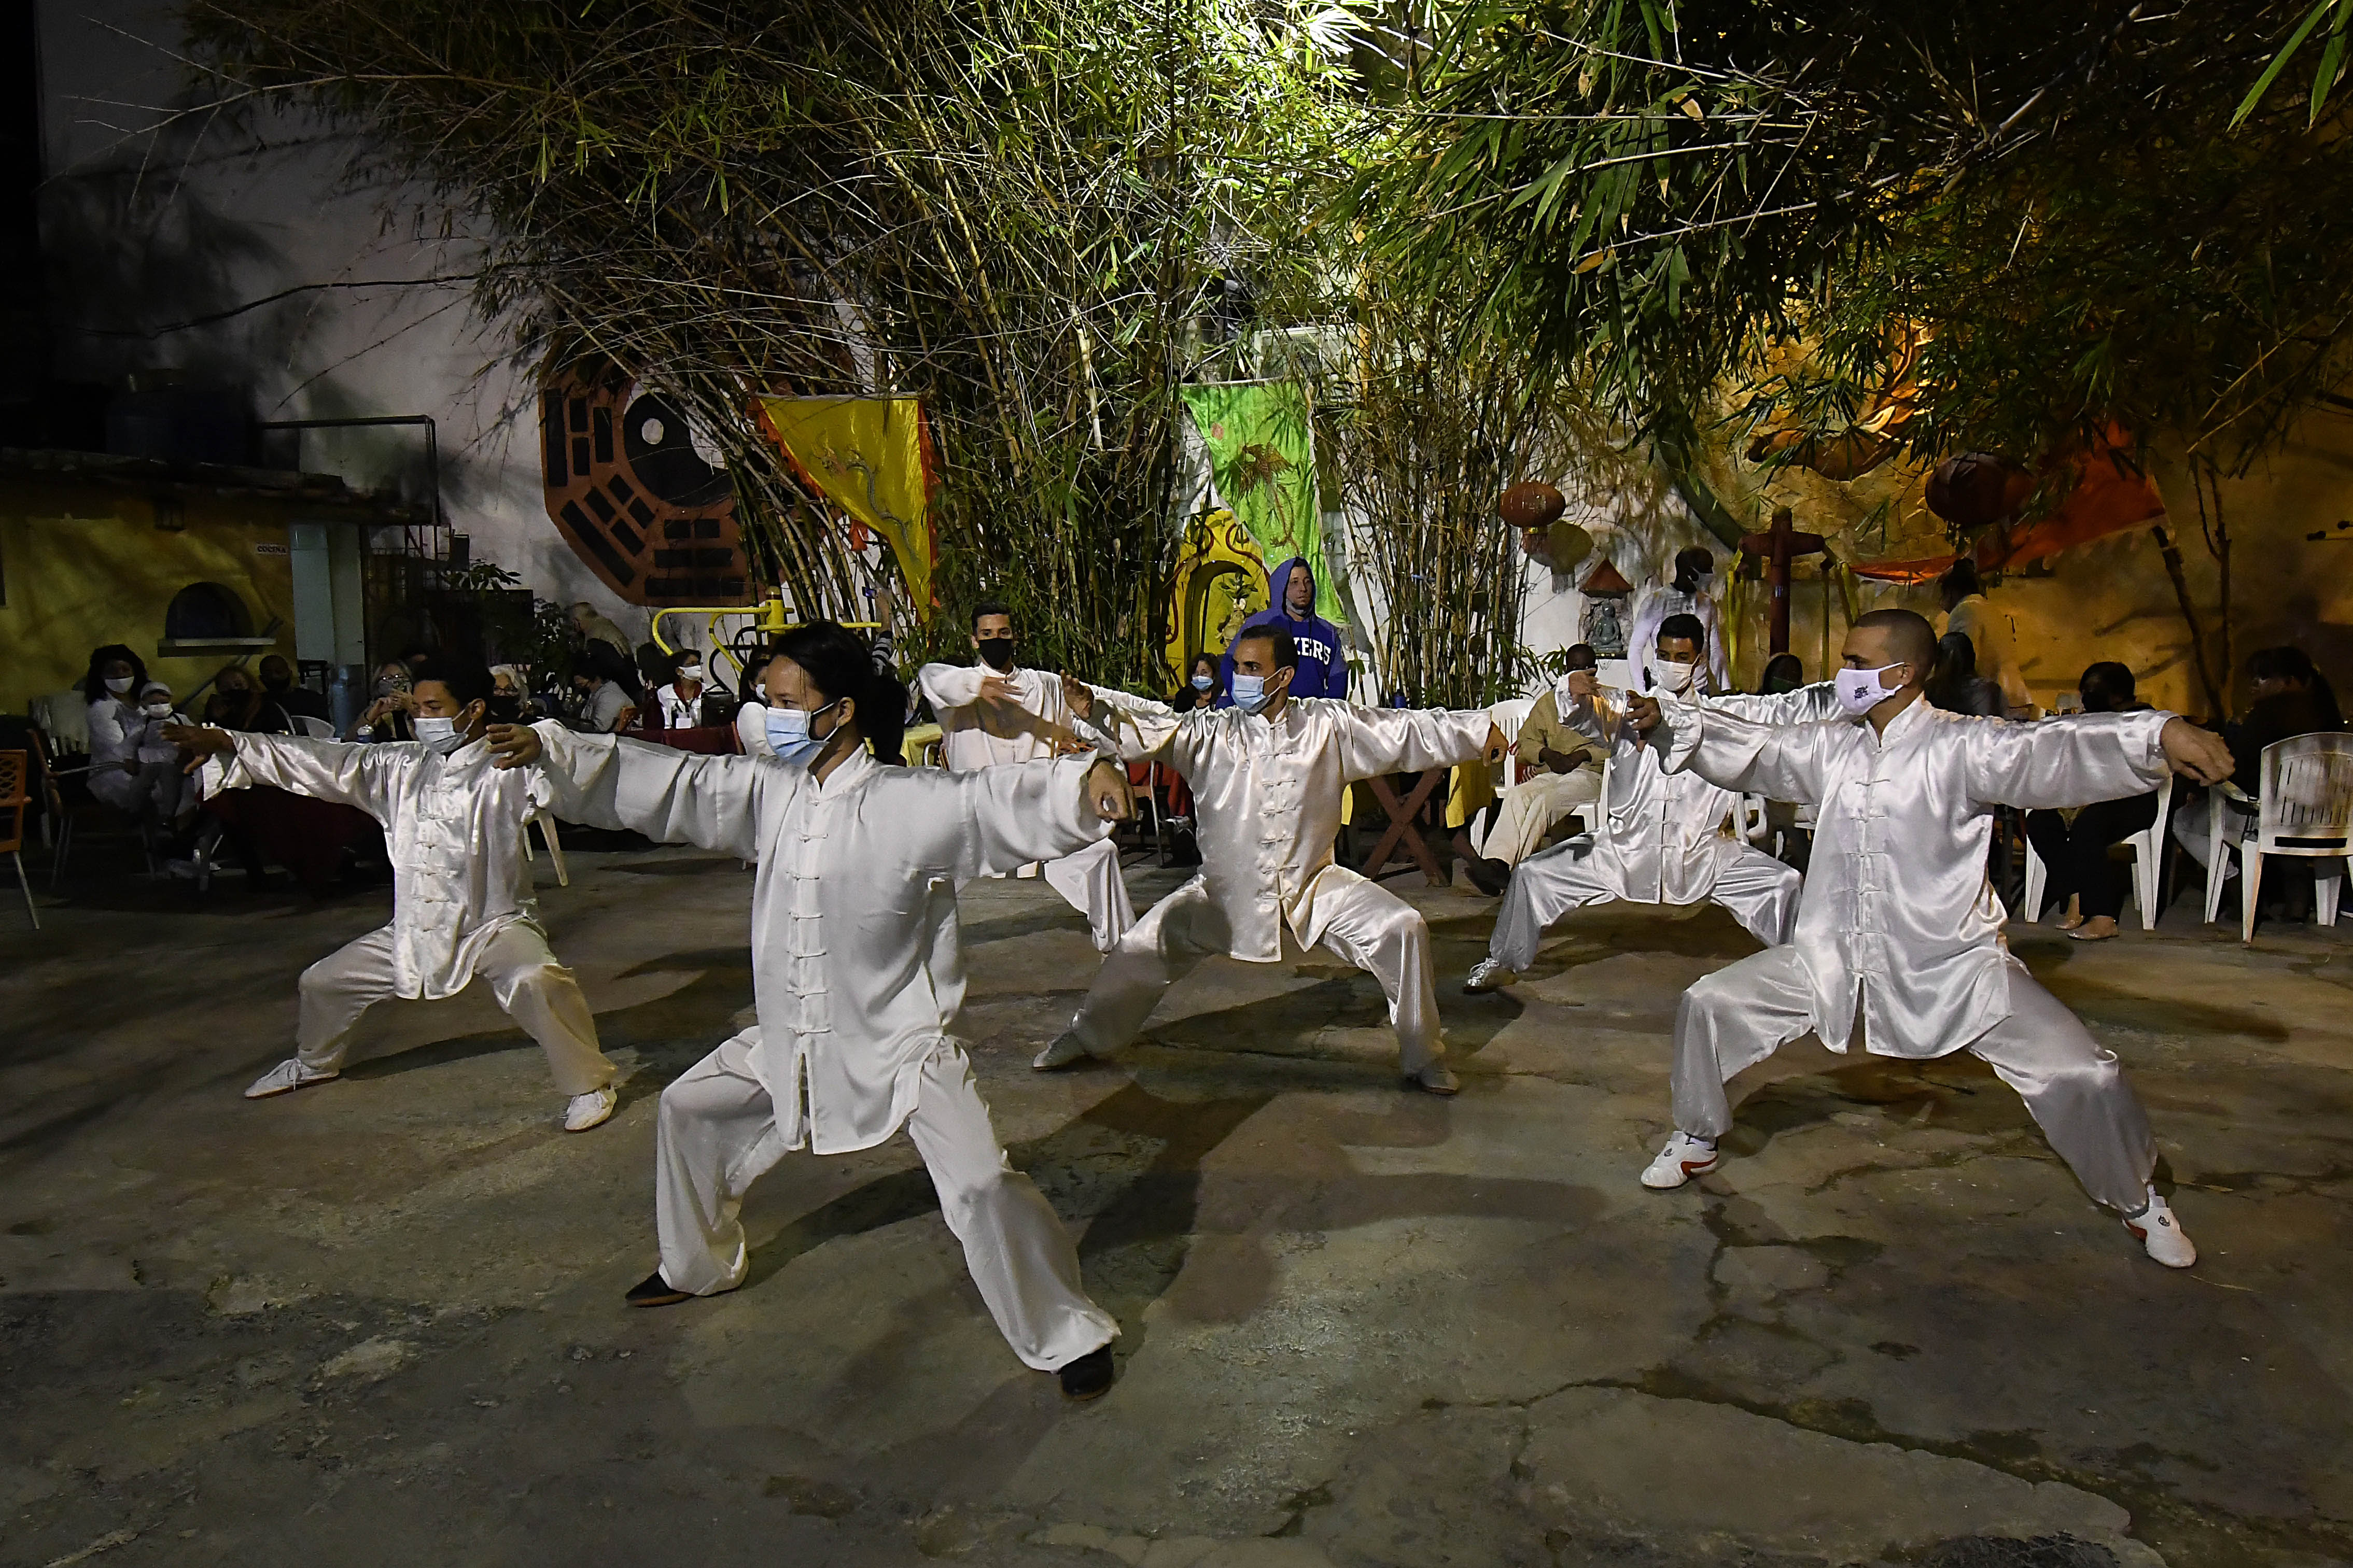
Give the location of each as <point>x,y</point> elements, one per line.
<point>856,970</point>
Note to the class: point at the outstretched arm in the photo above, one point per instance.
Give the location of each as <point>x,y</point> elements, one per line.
<point>1133,729</point>
<point>1376,740</point>
<point>1042,810</point>
<point>670,796</point>
<point>338,770</point>
<point>2086,757</point>
<point>1780,762</point>
<point>1806,705</point>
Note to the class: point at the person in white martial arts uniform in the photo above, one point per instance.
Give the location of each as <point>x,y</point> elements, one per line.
<point>1686,594</point>
<point>1898,927</point>
<point>1266,776</point>
<point>461,904</point>
<point>1661,838</point>
<point>858,975</point>
<point>995,711</point>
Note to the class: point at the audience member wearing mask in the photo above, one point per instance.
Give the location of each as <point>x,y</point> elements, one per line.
<point>386,717</point>
<point>2075,853</point>
<point>994,712</point>
<point>461,904</point>
<point>678,704</point>
<point>1564,771</point>
<point>237,703</point>
<point>1955,686</point>
<point>511,699</point>
<point>2287,696</point>
<point>149,789</point>
<point>1967,612</point>
<point>751,717</point>
<point>279,685</point>
<point>1202,686</point>
<point>1687,594</point>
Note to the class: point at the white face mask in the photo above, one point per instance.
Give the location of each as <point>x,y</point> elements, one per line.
<point>1674,679</point>
<point>118,684</point>
<point>156,710</point>
<point>1859,691</point>
<point>692,672</point>
<point>440,734</point>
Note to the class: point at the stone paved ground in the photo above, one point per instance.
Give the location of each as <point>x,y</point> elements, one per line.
<point>378,1322</point>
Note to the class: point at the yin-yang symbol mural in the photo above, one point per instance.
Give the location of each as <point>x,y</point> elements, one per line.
<point>638,492</point>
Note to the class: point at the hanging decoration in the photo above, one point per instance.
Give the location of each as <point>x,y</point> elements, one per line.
<point>1261,444</point>
<point>871,457</point>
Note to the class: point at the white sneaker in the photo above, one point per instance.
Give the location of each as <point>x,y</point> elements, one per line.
<point>1435,1078</point>
<point>286,1077</point>
<point>2160,1234</point>
<point>1488,975</point>
<point>593,1108</point>
<point>1067,1048</point>
<point>1683,1158</point>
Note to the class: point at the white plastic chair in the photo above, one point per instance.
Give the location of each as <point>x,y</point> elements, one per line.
<point>554,846</point>
<point>2304,806</point>
<point>2148,865</point>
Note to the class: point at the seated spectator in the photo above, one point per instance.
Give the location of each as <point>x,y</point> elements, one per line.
<point>2287,696</point>
<point>2075,853</point>
<point>1968,614</point>
<point>236,703</point>
<point>678,704</point>
<point>386,717</point>
<point>1566,773</point>
<point>131,767</point>
<point>511,702</point>
<point>606,683</point>
<point>279,686</point>
<point>1955,686</point>
<point>1201,689</point>
<point>1783,672</point>
<point>751,717</point>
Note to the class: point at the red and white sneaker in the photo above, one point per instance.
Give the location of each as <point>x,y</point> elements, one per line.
<point>1683,1158</point>
<point>2160,1234</point>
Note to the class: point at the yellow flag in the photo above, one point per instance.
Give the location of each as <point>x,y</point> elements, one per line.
<point>869,456</point>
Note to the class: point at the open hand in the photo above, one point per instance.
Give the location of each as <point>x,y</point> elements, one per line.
<point>1077,696</point>
<point>1581,683</point>
<point>200,743</point>
<point>998,688</point>
<point>514,745</point>
<point>1108,792</point>
<point>2199,753</point>
<point>1642,712</point>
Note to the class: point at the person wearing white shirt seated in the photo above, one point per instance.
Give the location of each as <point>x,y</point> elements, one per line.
<point>680,703</point>
<point>605,703</point>
<point>1897,926</point>
<point>1661,839</point>
<point>122,735</point>
<point>1267,776</point>
<point>995,711</point>
<point>461,904</point>
<point>857,975</point>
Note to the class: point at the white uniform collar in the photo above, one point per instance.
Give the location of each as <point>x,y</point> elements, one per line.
<point>855,768</point>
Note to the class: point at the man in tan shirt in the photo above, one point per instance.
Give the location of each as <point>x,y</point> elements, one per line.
<point>1564,773</point>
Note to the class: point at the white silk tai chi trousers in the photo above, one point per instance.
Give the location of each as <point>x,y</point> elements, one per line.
<point>717,1134</point>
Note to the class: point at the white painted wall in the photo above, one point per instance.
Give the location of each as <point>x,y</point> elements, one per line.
<point>146,230</point>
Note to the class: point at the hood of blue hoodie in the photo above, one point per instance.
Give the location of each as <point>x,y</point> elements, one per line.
<point>1279,584</point>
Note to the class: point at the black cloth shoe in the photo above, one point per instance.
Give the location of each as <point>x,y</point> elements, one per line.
<point>1089,1377</point>
<point>654,1291</point>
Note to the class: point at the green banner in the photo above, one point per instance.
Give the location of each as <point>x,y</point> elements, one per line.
<point>1262,452</point>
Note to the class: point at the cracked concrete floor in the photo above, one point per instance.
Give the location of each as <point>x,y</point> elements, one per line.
<point>378,1322</point>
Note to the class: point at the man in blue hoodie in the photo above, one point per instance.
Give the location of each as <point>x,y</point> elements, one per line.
<point>1323,663</point>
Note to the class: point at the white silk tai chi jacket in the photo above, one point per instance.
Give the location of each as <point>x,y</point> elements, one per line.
<point>1267,793</point>
<point>453,826</point>
<point>1896,904</point>
<point>1661,838</point>
<point>857,965</point>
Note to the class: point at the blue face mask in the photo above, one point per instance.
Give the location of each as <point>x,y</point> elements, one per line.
<point>1249,693</point>
<point>789,737</point>
<point>1203,682</point>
